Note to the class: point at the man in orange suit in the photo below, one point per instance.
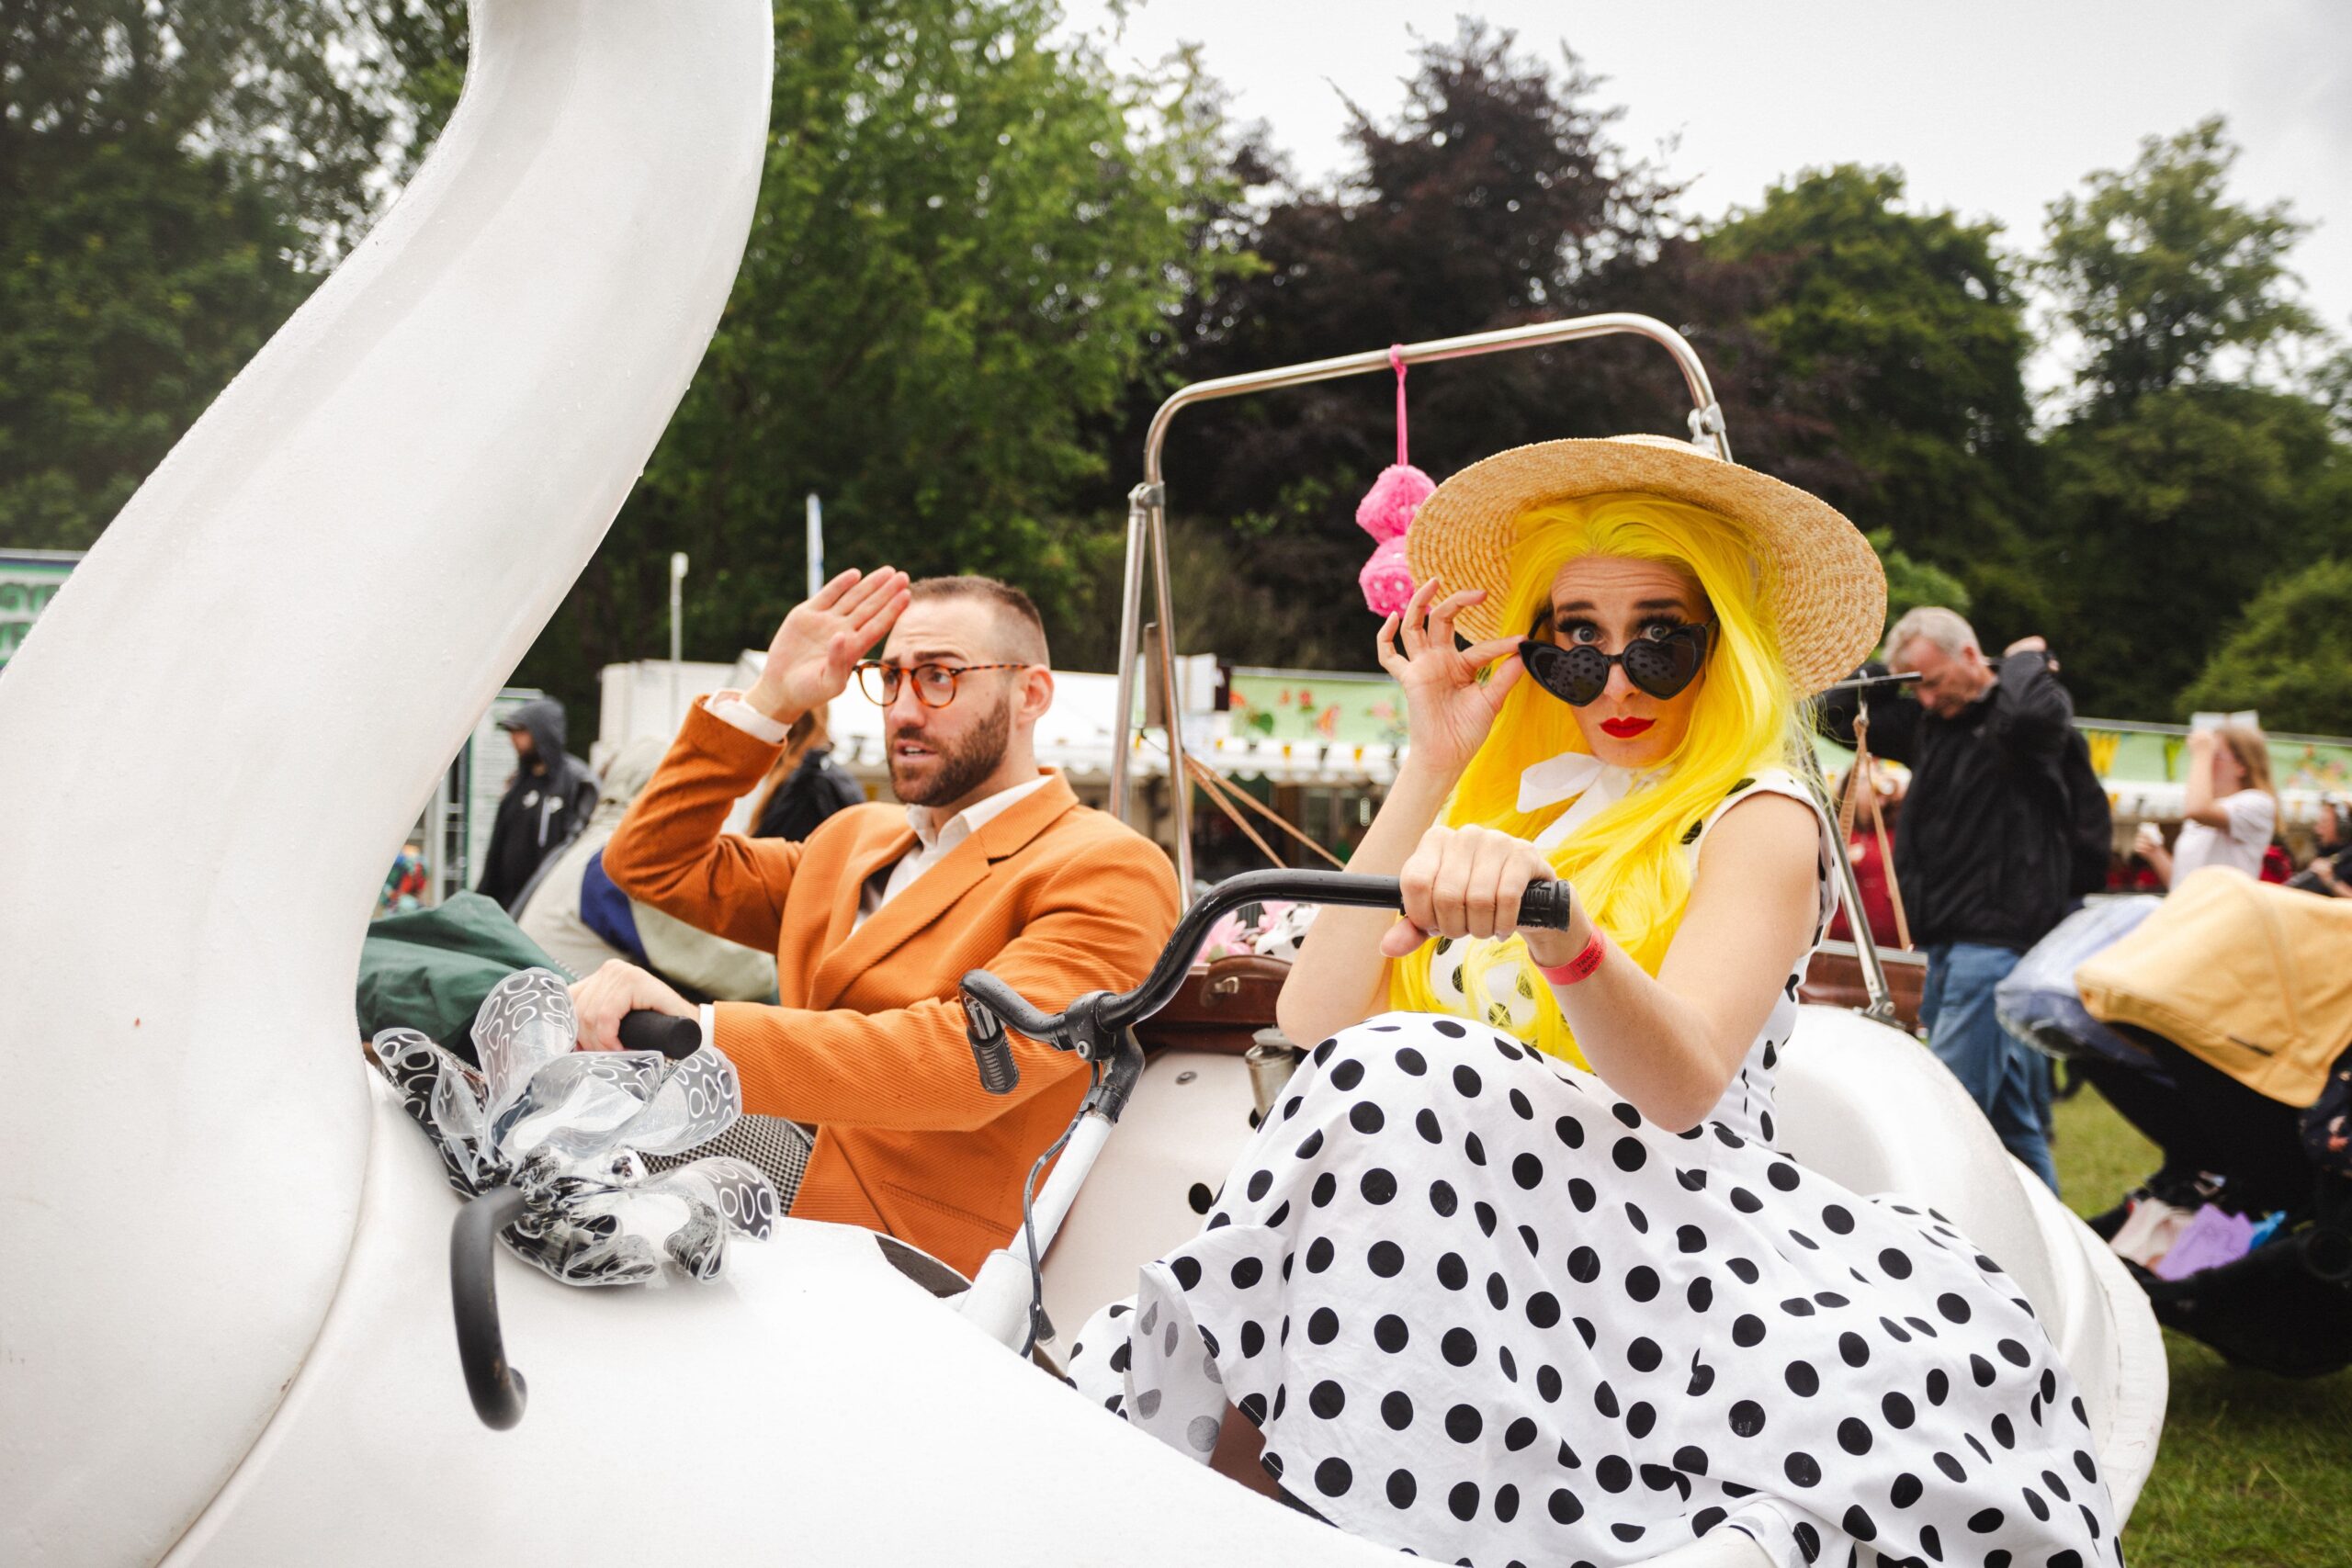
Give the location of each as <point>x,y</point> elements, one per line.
<point>991,864</point>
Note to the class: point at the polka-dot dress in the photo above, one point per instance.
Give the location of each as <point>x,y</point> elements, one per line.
<point>1481,1309</point>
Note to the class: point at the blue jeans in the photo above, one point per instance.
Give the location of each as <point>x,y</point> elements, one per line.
<point>2003,1075</point>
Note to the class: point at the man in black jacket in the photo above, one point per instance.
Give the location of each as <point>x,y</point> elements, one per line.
<point>549,796</point>
<point>1985,850</point>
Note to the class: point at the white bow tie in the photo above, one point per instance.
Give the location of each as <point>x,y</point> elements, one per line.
<point>1596,785</point>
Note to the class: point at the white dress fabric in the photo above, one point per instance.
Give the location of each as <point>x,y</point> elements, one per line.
<point>1481,1309</point>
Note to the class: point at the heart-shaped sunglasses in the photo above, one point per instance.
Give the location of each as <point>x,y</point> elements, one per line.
<point>1662,665</point>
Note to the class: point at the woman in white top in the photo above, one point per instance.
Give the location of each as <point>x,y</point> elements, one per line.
<point>2229,810</point>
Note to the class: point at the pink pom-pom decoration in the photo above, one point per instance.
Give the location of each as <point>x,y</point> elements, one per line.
<point>1388,508</point>
<point>1386,579</point>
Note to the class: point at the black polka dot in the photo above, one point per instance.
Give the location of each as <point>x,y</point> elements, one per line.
<point>1748,1330</point>
<point>1639,1419</point>
<point>1699,1294</point>
<point>2004,1432</point>
<point>1613,1473</point>
<point>1570,1132</point>
<point>1803,1380</point>
<point>1518,1434</point>
<point>1985,1521</point>
<point>1635,1218</point>
<point>1323,1052</point>
<point>1425,1123</point>
<point>1692,1460</point>
<point>1690,1238</point>
<point>1782,1175</point>
<point>1952,1466</point>
<point>1261,1182</point>
<point>1444,1199</point>
<point>1954,1307</point>
<point>1629,1155</point>
<point>1702,1377</point>
<point>1187,1271</point>
<point>1327,1399</point>
<point>1585,1332</point>
<point>1397,1409</point>
<point>1527,1238</point>
<point>1246,1271</point>
<point>1808,1542</point>
<point>1402,1488</point>
<point>1564,1507</point>
<point>1485,1214</point>
<point>1644,1355</point>
<point>1463,1501</point>
<point>1547,1383</point>
<point>1385,1259</point>
<point>1746,1203</point>
<point>1853,1349</point>
<point>1390,1332</point>
<point>1310,1146</point>
<point>1366,1118</point>
<point>1452,1272</point>
<point>1897,1265</point>
<point>1543,1308</point>
<point>1467,1081</point>
<point>1581,1194</point>
<point>1527,1170</point>
<point>1347,1074</point>
<point>1326,1187</point>
<point>1981,1370</point>
<point>1897,1410</point>
<point>1854,1436</point>
<point>1744,1270</point>
<point>1497,1292</point>
<point>1474,1148</point>
<point>1378,1186</point>
<point>1319,1253</point>
<point>1746,1418</point>
<point>1906,1491</point>
<point>1412,1061</point>
<point>1450,1029</point>
<point>1802,1470</point>
<point>1584,1266</point>
<point>1706,1519</point>
<point>1838,1220</point>
<point>2013,1353</point>
<point>1332,1477</point>
<point>1324,1326</point>
<point>1604,1399</point>
<point>1858,1524</point>
<point>1626,1113</point>
<point>1463,1423</point>
<point>1797,1306</point>
<point>1460,1347</point>
<point>1521,1107</point>
<point>1691,1180</point>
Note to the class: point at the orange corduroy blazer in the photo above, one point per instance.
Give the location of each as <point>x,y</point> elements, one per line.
<point>1053,897</point>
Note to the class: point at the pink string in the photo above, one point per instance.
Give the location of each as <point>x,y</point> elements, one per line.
<point>1397,358</point>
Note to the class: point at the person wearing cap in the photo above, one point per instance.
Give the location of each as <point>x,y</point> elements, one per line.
<point>551,793</point>
<point>1515,1270</point>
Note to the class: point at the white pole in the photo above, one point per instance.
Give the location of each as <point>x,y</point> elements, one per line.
<point>677,631</point>
<point>816,544</point>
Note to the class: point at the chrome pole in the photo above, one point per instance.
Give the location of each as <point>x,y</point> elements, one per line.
<point>1874,986</point>
<point>1147,503</point>
<point>1180,778</point>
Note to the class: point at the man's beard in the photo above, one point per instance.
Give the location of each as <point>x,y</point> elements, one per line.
<point>961,768</point>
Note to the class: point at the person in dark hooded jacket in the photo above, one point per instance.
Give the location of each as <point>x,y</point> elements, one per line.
<point>551,795</point>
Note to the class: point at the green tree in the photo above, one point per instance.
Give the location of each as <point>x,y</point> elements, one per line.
<point>968,229</point>
<point>2291,657</point>
<point>2160,274</point>
<point>1911,326</point>
<point>168,178</point>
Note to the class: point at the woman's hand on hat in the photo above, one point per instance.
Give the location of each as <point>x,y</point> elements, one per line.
<point>1448,710</point>
<point>1467,882</point>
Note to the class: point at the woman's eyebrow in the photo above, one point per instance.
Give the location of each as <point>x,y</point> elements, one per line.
<point>1587,606</point>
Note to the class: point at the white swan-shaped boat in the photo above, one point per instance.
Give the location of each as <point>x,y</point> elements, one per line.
<point>224,1328</point>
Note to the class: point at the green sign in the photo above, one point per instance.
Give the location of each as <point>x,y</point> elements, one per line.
<point>28,579</point>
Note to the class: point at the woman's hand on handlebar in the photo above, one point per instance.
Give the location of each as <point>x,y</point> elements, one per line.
<point>1467,882</point>
<point>1448,710</point>
<point>614,990</point>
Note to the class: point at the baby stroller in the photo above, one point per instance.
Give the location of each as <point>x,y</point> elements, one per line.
<point>2219,1022</point>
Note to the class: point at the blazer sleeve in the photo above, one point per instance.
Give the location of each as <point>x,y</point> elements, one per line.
<point>1099,926</point>
<point>668,850</point>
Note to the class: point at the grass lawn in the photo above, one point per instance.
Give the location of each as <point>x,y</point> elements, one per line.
<point>2254,1472</point>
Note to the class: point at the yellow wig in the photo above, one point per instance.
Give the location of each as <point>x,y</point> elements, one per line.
<point>1627,864</point>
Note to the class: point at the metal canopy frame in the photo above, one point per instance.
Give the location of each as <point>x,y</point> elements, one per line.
<point>1147,540</point>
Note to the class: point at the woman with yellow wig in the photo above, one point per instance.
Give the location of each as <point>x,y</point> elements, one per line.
<point>1515,1271</point>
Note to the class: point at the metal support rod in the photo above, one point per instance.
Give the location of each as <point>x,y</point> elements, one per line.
<point>1130,647</point>
<point>1147,503</point>
<point>1180,779</point>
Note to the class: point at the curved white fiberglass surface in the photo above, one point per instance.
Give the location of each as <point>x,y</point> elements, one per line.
<point>297,619</point>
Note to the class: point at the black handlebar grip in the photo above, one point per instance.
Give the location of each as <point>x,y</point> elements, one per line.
<point>1548,905</point>
<point>991,1051</point>
<point>645,1029</point>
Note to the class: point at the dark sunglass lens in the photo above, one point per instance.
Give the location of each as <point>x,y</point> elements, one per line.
<point>1663,668</point>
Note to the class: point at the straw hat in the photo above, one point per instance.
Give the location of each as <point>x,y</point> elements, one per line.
<point>1831,603</point>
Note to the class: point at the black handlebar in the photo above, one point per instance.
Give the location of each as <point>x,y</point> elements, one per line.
<point>989,1004</point>
<point>492,1383</point>
<point>645,1029</point>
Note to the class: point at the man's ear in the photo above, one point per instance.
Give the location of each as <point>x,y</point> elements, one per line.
<point>1037,694</point>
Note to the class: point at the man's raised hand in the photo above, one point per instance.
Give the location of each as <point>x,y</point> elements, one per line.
<point>813,651</point>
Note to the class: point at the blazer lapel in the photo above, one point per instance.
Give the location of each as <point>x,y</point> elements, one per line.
<point>851,954</point>
<point>877,851</point>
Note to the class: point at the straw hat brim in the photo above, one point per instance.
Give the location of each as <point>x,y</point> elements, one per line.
<point>1827,590</point>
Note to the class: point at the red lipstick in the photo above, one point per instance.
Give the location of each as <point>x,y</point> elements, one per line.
<point>1624,729</point>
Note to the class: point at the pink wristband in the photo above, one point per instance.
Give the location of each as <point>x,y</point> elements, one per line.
<point>1581,968</point>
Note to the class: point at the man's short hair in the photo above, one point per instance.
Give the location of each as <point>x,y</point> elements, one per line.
<point>1944,628</point>
<point>1023,629</point>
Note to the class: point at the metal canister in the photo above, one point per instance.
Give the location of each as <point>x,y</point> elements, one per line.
<point>1271,1059</point>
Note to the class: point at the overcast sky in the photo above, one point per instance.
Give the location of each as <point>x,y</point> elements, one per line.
<point>1992,107</point>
